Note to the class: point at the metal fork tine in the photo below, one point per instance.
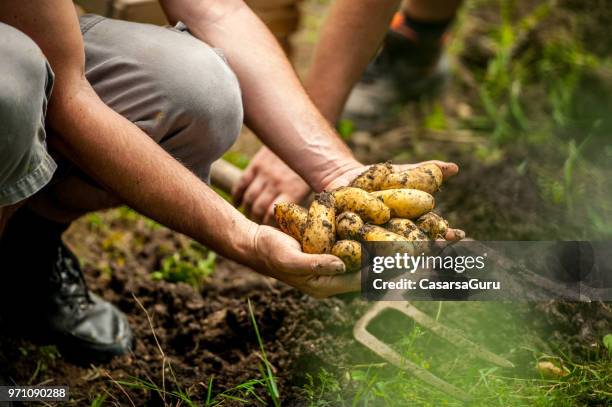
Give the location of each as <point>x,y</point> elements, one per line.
<point>454,337</point>
<point>384,351</point>
<point>449,334</point>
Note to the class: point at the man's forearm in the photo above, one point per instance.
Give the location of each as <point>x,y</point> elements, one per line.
<point>276,105</point>
<point>129,164</point>
<point>350,36</point>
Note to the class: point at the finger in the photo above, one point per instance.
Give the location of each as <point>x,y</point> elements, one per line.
<point>313,264</point>
<point>238,191</point>
<point>325,265</point>
<point>253,191</point>
<point>262,202</point>
<point>448,169</point>
<point>325,286</point>
<point>454,234</point>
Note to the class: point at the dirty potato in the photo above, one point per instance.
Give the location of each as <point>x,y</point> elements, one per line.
<point>406,203</point>
<point>361,202</point>
<point>432,224</point>
<point>320,231</point>
<point>291,219</point>
<point>417,235</point>
<point>427,178</point>
<point>373,178</point>
<point>348,225</point>
<point>373,233</point>
<point>402,227</point>
<point>349,252</point>
<point>406,228</point>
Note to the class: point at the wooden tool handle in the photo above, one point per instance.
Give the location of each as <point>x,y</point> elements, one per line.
<point>224,175</point>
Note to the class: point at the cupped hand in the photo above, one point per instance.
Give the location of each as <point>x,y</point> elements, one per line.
<point>319,275</point>
<point>267,181</point>
<point>448,170</point>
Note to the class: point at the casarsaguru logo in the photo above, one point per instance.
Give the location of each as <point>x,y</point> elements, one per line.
<point>427,284</point>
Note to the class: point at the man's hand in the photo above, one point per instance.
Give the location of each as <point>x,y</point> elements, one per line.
<point>319,275</point>
<point>448,170</point>
<point>266,181</point>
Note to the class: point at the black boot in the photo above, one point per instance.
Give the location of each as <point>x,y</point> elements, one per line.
<point>43,293</point>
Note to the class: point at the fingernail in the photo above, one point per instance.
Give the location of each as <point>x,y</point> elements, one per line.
<point>339,266</point>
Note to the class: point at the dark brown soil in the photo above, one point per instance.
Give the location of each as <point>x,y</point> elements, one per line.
<point>208,333</point>
<point>204,334</point>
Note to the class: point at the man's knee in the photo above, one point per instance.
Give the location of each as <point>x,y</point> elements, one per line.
<point>25,81</point>
<point>189,100</point>
<point>204,95</point>
<point>24,75</point>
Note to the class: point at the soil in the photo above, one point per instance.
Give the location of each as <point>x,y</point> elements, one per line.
<point>207,333</point>
<point>198,334</point>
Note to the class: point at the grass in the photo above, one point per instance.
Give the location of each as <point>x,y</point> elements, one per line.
<point>266,369</point>
<point>192,264</point>
<point>380,384</point>
<point>98,401</point>
<point>540,94</point>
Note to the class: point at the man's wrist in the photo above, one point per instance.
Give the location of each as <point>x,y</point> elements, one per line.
<point>335,172</point>
<point>244,246</point>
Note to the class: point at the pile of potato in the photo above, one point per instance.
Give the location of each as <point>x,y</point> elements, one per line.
<point>379,205</point>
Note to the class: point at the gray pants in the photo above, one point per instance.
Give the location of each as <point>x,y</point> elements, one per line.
<point>177,89</point>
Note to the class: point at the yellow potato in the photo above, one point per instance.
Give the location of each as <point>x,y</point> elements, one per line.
<point>433,224</point>
<point>348,225</point>
<point>361,202</point>
<point>320,231</point>
<point>417,235</point>
<point>291,219</point>
<point>373,233</point>
<point>406,203</point>
<point>349,252</point>
<point>550,370</point>
<point>427,178</point>
<point>373,178</point>
<point>409,230</point>
<point>400,226</point>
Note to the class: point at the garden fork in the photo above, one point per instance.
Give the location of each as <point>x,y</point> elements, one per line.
<point>383,350</point>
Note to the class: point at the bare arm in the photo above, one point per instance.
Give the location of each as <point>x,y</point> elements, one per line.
<point>128,163</point>
<point>276,105</point>
<point>350,36</point>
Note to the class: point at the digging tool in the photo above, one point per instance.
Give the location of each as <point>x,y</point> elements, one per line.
<point>224,175</point>
<point>363,336</point>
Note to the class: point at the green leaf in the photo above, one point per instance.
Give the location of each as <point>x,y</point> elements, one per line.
<point>345,128</point>
<point>607,341</point>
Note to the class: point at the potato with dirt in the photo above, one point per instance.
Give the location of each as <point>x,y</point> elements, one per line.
<point>426,177</point>
<point>406,203</point>
<point>373,233</point>
<point>348,225</point>
<point>433,224</point>
<point>373,178</point>
<point>320,231</point>
<point>401,226</point>
<point>291,219</point>
<point>349,251</point>
<point>357,200</point>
